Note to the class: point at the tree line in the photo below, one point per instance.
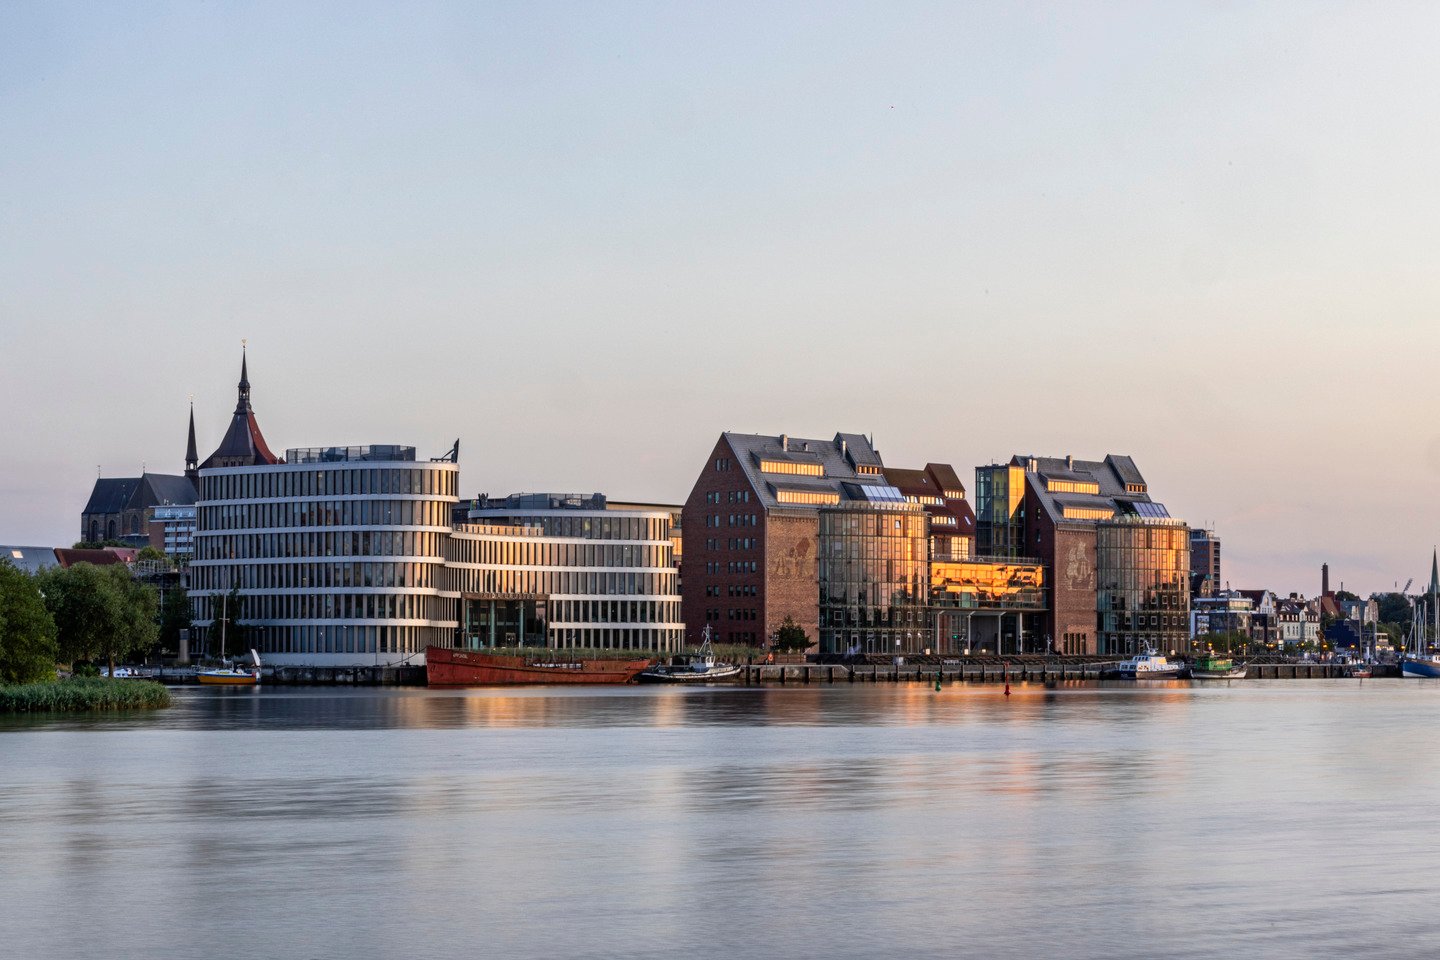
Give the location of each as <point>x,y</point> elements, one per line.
<point>83,613</point>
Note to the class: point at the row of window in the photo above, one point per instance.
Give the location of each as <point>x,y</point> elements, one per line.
<point>555,553</point>
<point>731,496</point>
<point>733,613</point>
<point>733,543</point>
<point>733,590</point>
<point>436,480</point>
<point>615,611</point>
<point>324,513</point>
<point>264,607</point>
<point>360,640</point>
<point>313,576</point>
<point>403,544</point>
<point>792,468</point>
<point>559,524</point>
<point>560,582</point>
<point>806,496</point>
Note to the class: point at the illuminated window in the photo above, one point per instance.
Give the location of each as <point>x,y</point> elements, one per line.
<point>1087,513</point>
<point>805,496</point>
<point>1071,486</point>
<point>867,468</point>
<point>794,469</point>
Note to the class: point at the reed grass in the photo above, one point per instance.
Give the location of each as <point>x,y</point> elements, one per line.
<point>82,695</point>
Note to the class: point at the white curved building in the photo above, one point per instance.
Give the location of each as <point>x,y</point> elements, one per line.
<point>335,552</point>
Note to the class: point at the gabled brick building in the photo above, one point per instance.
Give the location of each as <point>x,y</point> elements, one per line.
<point>750,529</point>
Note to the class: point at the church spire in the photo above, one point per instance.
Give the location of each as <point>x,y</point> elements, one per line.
<point>192,456</point>
<point>244,405</point>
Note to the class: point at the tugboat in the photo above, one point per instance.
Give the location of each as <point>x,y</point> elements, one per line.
<point>702,668</point>
<point>1148,666</point>
<point>1211,667</point>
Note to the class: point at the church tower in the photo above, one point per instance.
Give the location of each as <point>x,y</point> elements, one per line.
<point>192,459</point>
<point>243,445</point>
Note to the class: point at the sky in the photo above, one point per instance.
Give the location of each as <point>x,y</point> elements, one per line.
<point>586,239</point>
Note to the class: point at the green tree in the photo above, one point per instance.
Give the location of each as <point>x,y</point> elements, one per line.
<point>150,553</point>
<point>98,544</point>
<point>27,631</point>
<point>174,617</point>
<point>1394,608</point>
<point>791,637</point>
<point>99,612</point>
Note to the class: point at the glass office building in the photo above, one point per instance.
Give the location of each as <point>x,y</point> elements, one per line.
<point>1143,585</point>
<point>873,567</point>
<point>336,552</point>
<point>563,571</point>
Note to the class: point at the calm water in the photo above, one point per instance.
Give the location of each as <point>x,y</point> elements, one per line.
<point>1278,819</point>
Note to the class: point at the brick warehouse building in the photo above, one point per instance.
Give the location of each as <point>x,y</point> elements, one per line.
<point>750,528</point>
<point>1119,563</point>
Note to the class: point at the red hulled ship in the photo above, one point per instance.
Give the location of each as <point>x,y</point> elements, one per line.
<point>445,667</point>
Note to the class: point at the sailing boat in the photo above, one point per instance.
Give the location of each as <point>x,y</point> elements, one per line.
<point>231,675</point>
<point>1417,661</point>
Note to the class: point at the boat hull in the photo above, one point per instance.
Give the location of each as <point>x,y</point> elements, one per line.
<point>683,675</point>
<point>445,667</point>
<point>1236,674</point>
<point>227,680</point>
<point>1420,668</point>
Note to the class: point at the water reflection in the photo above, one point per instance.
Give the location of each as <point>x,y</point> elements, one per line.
<point>847,821</point>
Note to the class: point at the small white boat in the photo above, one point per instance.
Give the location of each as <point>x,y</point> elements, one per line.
<point>1148,666</point>
<point>702,668</point>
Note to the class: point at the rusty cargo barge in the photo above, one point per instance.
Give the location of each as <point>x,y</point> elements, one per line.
<point>445,667</point>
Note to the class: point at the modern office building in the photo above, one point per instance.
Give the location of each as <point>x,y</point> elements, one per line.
<point>873,574</point>
<point>1204,563</point>
<point>564,571</point>
<point>750,527</point>
<point>1118,563</point>
<point>336,552</point>
<point>937,488</point>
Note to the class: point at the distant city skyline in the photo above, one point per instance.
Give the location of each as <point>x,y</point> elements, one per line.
<point>587,242</point>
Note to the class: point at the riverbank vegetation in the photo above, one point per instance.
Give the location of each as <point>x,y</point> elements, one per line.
<point>83,694</point>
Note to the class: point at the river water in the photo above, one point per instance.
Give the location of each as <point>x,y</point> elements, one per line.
<point>1276,819</point>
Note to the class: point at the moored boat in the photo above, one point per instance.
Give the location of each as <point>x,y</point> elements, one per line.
<point>701,668</point>
<point>1148,666</point>
<point>446,667</point>
<point>232,675</point>
<point>1211,667</point>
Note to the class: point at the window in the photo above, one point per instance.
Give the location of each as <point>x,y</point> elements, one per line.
<point>792,468</point>
<point>805,496</point>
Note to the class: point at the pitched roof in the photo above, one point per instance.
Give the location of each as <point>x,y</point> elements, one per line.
<point>111,494</point>
<point>166,488</point>
<point>838,458</point>
<point>1111,475</point>
<point>68,557</point>
<point>28,559</point>
<point>243,441</point>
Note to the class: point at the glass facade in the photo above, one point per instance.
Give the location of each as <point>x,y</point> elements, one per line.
<point>1000,511</point>
<point>873,566</point>
<point>1143,576</point>
<point>566,578</point>
<point>337,562</point>
<point>988,584</point>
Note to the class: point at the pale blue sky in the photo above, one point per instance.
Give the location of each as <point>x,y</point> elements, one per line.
<point>586,239</point>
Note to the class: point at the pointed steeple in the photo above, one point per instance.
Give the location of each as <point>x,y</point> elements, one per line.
<point>242,445</point>
<point>1434,574</point>
<point>244,405</point>
<point>192,456</point>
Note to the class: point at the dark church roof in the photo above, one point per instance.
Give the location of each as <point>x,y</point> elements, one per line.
<point>168,489</point>
<point>243,444</point>
<point>111,494</point>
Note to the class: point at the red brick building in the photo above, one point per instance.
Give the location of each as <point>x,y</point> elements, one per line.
<point>750,528</point>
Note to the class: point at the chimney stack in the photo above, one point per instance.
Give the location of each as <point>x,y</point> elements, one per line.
<point>785,442</point>
<point>1324,579</point>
